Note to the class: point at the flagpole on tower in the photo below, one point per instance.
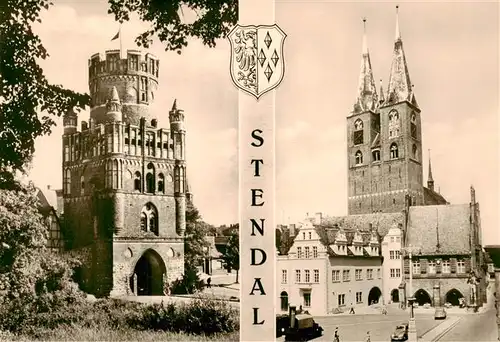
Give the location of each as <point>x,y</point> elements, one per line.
<point>120,34</point>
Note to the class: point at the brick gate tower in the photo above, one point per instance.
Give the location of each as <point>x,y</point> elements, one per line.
<point>124,181</point>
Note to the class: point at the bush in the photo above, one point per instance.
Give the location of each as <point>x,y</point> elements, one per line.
<point>202,315</point>
<point>189,283</point>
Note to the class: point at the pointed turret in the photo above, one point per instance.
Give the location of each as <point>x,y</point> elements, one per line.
<point>114,107</point>
<point>367,92</point>
<point>400,87</point>
<point>430,180</point>
<point>381,97</point>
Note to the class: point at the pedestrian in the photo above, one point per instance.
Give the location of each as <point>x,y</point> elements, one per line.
<point>336,337</point>
<point>367,339</point>
<point>351,311</point>
<point>300,309</point>
<point>209,280</point>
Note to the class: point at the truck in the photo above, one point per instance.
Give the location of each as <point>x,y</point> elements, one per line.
<point>302,327</point>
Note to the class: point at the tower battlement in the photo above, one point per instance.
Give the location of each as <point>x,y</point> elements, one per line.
<point>136,62</point>
<point>135,78</point>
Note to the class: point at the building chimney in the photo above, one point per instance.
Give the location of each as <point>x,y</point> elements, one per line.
<point>318,218</point>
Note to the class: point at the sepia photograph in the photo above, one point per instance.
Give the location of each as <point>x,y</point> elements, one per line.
<point>119,171</point>
<point>387,172</point>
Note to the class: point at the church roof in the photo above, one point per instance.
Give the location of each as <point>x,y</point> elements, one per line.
<point>431,197</point>
<point>439,229</point>
<point>382,222</point>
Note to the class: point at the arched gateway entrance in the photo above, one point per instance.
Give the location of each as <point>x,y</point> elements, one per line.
<point>395,296</point>
<point>149,274</point>
<point>453,297</point>
<point>374,295</point>
<point>422,297</point>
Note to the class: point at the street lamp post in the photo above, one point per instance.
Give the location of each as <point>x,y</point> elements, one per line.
<point>412,327</point>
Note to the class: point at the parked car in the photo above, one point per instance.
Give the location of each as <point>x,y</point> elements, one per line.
<point>440,313</point>
<point>400,333</point>
<point>304,329</point>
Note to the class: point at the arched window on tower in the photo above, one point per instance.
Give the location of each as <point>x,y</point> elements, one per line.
<point>115,175</point>
<point>150,178</point>
<point>394,151</point>
<point>67,182</point>
<point>82,185</point>
<point>181,180</point>
<point>359,158</point>
<point>413,126</point>
<point>376,155</point>
<point>414,151</point>
<point>161,183</point>
<point>149,219</point>
<point>358,132</point>
<point>137,181</point>
<point>393,124</point>
<point>144,222</point>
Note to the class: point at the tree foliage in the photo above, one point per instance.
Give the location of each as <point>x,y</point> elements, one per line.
<point>195,242</point>
<point>231,255</point>
<point>214,19</point>
<point>32,277</point>
<point>24,90</point>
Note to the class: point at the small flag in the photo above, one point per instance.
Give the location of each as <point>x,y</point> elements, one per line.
<point>117,35</point>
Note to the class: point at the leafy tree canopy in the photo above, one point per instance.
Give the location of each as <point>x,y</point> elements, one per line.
<point>213,20</point>
<point>195,242</point>
<point>32,277</point>
<point>24,89</point>
<point>231,255</point>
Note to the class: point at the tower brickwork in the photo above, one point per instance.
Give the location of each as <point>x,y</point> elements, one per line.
<point>124,181</point>
<point>384,140</point>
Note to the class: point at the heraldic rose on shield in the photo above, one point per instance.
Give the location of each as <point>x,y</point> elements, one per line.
<point>257,63</point>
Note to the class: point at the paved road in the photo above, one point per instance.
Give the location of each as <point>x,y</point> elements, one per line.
<point>354,327</point>
<point>480,327</point>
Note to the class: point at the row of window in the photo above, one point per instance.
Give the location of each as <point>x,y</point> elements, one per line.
<point>439,266</point>
<point>394,127</point>
<point>91,146</point>
<point>394,254</point>
<point>114,63</point>
<point>114,179</point>
<point>307,252</point>
<point>358,273</point>
<point>304,235</point>
<point>298,276</point>
<point>394,154</point>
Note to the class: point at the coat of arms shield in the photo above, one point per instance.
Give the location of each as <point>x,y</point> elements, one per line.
<point>257,63</point>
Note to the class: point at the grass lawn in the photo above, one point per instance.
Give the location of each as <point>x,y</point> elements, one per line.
<point>76,333</point>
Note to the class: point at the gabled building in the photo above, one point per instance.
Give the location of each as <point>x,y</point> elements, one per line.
<point>449,263</point>
<point>330,268</point>
<point>48,207</point>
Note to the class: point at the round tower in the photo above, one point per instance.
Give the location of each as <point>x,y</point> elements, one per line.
<point>70,121</point>
<point>135,78</point>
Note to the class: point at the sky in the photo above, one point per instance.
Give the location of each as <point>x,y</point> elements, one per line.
<point>452,54</point>
<point>199,79</point>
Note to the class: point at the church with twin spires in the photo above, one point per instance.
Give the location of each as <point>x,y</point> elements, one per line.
<point>328,264</point>
<point>124,181</point>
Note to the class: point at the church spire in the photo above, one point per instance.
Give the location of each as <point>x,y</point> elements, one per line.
<point>382,98</point>
<point>430,180</point>
<point>367,92</point>
<point>400,87</point>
